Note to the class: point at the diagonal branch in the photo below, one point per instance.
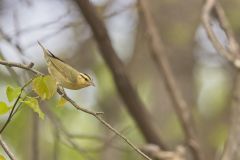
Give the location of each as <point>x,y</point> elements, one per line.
<point>97,115</point>
<point>158,54</point>
<point>126,90</point>
<point>231,53</point>
<point>6,149</point>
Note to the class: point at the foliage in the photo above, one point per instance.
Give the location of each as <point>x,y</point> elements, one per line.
<point>12,93</point>
<point>4,108</point>
<point>2,158</point>
<point>44,86</point>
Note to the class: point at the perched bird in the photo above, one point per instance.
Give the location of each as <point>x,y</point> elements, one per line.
<point>65,75</point>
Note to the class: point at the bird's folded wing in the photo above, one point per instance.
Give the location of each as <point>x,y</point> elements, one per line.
<point>65,70</point>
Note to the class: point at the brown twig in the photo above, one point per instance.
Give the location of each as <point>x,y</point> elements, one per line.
<point>158,54</point>
<point>95,114</point>
<point>59,127</point>
<point>13,111</point>
<point>123,84</point>
<point>233,142</point>
<point>232,54</point>
<point>18,65</point>
<point>35,137</point>
<point>6,149</point>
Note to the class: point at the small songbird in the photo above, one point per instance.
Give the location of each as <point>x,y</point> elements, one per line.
<point>65,75</point>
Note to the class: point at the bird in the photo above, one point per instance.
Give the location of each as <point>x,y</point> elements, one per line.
<point>65,75</point>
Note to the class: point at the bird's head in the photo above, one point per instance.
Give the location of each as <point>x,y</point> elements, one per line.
<point>85,80</point>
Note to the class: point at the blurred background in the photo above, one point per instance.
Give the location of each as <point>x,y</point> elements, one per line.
<point>203,76</point>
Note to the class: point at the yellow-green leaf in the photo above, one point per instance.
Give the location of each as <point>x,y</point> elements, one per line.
<point>12,93</point>
<point>1,157</point>
<point>44,86</point>
<point>61,101</point>
<point>33,103</point>
<point>4,108</point>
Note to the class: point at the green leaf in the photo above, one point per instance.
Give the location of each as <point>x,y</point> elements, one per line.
<point>44,86</point>
<point>1,157</point>
<point>12,93</point>
<point>4,108</point>
<point>61,102</point>
<point>33,103</point>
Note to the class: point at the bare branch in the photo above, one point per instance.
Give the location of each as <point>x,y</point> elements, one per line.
<point>232,144</point>
<point>18,65</point>
<point>35,137</point>
<point>158,154</point>
<point>158,54</point>
<point>232,54</point>
<point>95,114</point>
<point>126,90</point>
<point>6,149</point>
<point>14,108</point>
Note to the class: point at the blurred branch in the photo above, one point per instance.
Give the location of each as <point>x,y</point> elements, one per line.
<point>56,145</point>
<point>158,55</point>
<point>65,26</point>
<point>41,26</point>
<point>97,115</point>
<point>14,108</point>
<point>232,144</point>
<point>6,149</point>
<point>59,127</point>
<point>231,53</point>
<point>158,154</point>
<point>35,137</point>
<point>126,90</point>
<point>23,66</point>
<point>11,70</point>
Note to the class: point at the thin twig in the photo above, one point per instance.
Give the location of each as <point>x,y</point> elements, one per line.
<point>18,65</point>
<point>232,144</point>
<point>123,84</point>
<point>35,137</point>
<point>56,145</point>
<point>6,149</point>
<point>158,54</point>
<point>232,54</point>
<point>12,112</point>
<point>95,114</point>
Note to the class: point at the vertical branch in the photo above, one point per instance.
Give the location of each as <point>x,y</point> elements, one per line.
<point>35,137</point>
<point>158,54</point>
<point>231,53</point>
<point>56,146</point>
<point>6,149</point>
<point>126,90</point>
<point>232,145</point>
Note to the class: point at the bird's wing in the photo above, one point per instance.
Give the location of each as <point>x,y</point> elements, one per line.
<point>59,65</point>
<point>53,56</point>
<point>64,69</point>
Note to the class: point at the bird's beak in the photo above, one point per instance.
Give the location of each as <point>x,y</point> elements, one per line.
<point>92,84</point>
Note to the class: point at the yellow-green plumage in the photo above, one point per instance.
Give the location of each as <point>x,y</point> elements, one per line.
<point>65,75</point>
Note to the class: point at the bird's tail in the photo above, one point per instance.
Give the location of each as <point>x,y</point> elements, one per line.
<point>45,51</point>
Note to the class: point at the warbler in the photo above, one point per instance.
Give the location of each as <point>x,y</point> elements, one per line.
<point>65,75</point>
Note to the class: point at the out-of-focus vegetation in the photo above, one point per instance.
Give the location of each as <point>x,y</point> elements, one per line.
<point>204,77</point>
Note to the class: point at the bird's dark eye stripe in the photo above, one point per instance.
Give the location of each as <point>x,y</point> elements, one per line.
<point>86,76</point>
